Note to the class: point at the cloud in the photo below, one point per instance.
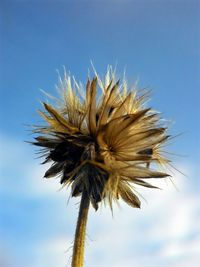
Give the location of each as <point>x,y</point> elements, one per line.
<point>52,252</point>
<point>164,232</point>
<point>157,235</point>
<point>21,172</point>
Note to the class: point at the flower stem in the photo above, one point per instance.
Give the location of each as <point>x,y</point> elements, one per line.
<point>79,242</point>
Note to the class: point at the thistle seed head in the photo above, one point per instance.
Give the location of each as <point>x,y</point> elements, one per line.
<point>102,140</point>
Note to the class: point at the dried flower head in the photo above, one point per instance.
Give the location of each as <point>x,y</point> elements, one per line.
<point>102,141</point>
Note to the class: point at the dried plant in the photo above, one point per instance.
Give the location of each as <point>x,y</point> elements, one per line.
<point>102,142</point>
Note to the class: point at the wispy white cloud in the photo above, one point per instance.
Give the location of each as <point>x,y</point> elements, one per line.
<point>156,235</point>
<point>164,232</point>
<point>21,172</point>
<point>52,252</point>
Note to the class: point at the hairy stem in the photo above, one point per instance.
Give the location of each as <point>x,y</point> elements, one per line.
<point>79,242</point>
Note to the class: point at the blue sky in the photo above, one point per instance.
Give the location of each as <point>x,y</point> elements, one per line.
<point>158,43</point>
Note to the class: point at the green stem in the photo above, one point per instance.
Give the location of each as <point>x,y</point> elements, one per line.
<point>79,242</point>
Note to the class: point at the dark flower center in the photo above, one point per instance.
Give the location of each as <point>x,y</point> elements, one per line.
<point>66,151</point>
<point>72,160</point>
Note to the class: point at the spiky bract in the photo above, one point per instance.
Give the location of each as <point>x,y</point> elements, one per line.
<point>102,140</point>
